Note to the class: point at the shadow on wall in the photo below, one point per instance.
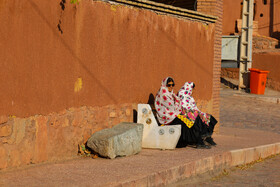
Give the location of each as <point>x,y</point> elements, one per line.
<point>151,102</point>
<point>95,79</point>
<point>71,51</point>
<point>276,35</point>
<point>229,84</point>
<point>135,116</point>
<point>183,50</point>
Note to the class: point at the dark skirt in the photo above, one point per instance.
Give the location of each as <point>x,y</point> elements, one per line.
<point>190,136</point>
<point>208,131</point>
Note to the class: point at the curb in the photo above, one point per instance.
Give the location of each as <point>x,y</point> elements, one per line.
<point>270,99</point>
<point>275,100</point>
<point>221,161</point>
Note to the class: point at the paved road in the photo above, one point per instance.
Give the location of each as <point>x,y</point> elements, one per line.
<point>265,173</point>
<point>246,112</point>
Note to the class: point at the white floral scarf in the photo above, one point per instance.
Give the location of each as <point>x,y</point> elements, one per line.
<point>167,104</point>
<point>188,102</point>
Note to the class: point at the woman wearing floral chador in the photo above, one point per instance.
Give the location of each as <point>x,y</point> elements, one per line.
<point>169,112</point>
<point>188,104</point>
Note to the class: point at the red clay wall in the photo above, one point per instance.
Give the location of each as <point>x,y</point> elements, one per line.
<point>269,61</point>
<point>232,73</point>
<point>215,7</point>
<point>217,60</point>
<point>231,12</point>
<point>69,70</point>
<point>121,55</point>
<point>268,17</point>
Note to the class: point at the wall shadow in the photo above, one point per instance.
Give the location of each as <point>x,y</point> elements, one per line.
<point>183,50</point>
<point>229,84</point>
<point>151,100</point>
<point>276,35</point>
<point>135,116</point>
<point>271,17</point>
<point>57,34</point>
<point>71,51</point>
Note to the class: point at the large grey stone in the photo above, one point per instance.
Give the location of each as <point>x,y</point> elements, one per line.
<point>121,140</point>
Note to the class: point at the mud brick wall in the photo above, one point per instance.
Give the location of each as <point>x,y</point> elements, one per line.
<point>215,7</point>
<point>269,61</point>
<point>266,15</point>
<point>56,136</point>
<point>208,6</point>
<point>69,70</point>
<point>263,42</point>
<point>232,73</point>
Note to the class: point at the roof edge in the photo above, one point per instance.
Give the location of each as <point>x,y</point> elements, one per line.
<point>163,8</point>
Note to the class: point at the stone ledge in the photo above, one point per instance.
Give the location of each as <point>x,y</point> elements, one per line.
<point>221,161</point>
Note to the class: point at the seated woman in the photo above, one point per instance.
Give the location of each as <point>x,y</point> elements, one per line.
<point>188,104</point>
<point>169,112</point>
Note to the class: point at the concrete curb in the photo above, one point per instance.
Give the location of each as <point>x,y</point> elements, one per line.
<point>221,161</point>
<point>269,99</point>
<point>275,100</point>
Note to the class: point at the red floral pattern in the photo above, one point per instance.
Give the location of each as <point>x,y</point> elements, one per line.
<point>188,102</point>
<point>168,103</point>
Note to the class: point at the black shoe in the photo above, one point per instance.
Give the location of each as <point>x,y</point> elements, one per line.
<point>201,145</point>
<point>210,141</point>
<point>206,135</point>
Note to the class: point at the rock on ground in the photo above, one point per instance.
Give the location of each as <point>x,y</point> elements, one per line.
<point>123,139</point>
